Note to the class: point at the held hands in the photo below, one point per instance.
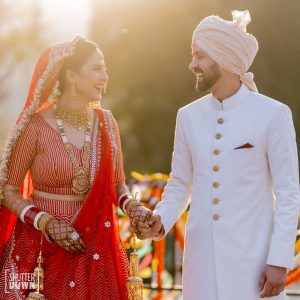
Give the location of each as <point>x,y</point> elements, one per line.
<point>138,214</point>
<point>65,236</point>
<point>143,222</point>
<point>151,229</point>
<point>272,281</point>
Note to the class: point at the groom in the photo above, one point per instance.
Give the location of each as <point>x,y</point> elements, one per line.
<point>235,163</point>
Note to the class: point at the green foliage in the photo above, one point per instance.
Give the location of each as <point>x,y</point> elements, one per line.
<point>147,49</point>
<point>20,33</point>
<point>21,37</point>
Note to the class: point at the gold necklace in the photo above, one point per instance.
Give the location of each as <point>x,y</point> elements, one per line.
<point>77,118</point>
<point>81,183</point>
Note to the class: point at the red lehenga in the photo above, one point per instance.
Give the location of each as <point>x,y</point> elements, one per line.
<point>100,272</point>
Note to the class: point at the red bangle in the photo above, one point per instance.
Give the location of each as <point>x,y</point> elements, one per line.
<point>31,214</point>
<point>123,199</point>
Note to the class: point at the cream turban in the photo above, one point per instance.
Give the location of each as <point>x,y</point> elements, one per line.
<point>228,43</point>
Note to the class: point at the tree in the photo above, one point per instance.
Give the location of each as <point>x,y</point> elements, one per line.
<point>147,49</point>
<point>20,38</point>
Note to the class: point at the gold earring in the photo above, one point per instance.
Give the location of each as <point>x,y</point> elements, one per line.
<point>73,91</point>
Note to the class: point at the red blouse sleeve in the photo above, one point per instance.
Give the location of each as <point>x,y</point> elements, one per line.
<point>22,155</point>
<point>119,169</point>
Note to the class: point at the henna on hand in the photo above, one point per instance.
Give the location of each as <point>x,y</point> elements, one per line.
<point>13,201</point>
<point>60,233</point>
<point>138,214</point>
<point>121,189</point>
<point>152,229</point>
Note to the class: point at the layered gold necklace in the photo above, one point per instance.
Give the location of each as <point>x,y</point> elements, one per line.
<point>77,118</point>
<point>81,182</point>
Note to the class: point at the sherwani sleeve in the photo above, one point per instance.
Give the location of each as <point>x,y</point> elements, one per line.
<point>283,163</point>
<point>176,196</point>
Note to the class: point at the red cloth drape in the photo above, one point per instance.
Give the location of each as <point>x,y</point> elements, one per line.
<point>95,221</point>
<point>101,279</point>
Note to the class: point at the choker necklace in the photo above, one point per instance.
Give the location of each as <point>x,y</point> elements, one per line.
<point>81,183</point>
<point>77,118</point>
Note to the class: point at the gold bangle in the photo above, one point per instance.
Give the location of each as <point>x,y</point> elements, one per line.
<point>44,220</point>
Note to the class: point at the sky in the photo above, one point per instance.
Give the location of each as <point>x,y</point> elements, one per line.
<point>66,17</point>
<point>63,19</point>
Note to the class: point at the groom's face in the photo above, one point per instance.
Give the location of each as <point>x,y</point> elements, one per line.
<point>206,70</point>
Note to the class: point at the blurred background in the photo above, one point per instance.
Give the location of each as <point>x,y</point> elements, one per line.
<point>146,45</point>
<point>147,50</point>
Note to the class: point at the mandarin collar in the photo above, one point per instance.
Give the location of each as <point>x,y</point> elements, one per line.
<point>231,101</point>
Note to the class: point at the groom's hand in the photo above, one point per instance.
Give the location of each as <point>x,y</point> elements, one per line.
<point>272,281</point>
<point>152,228</point>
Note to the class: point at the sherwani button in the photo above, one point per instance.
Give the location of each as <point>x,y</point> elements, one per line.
<point>218,136</point>
<point>220,120</point>
<point>216,185</point>
<point>216,168</point>
<point>216,201</point>
<point>216,152</point>
<point>216,217</point>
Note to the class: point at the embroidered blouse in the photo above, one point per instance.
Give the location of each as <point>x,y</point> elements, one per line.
<point>40,149</point>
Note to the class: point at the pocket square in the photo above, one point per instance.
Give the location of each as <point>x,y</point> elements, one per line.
<point>245,146</point>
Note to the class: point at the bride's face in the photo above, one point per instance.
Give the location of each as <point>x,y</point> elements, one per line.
<point>90,81</point>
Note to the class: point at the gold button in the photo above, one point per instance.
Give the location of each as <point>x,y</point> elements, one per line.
<point>218,136</point>
<point>216,152</point>
<point>216,217</point>
<point>216,201</point>
<point>220,120</point>
<point>216,168</point>
<point>216,185</point>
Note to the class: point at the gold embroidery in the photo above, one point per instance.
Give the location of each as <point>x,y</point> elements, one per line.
<point>56,57</point>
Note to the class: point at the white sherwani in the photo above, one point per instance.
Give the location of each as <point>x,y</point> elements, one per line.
<point>235,225</point>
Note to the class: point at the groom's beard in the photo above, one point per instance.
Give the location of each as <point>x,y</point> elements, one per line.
<point>209,78</point>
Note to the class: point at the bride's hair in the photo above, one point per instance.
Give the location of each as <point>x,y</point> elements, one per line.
<point>84,48</point>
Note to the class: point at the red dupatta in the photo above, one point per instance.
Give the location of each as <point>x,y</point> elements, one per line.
<point>95,221</point>
<point>98,225</point>
<point>41,86</point>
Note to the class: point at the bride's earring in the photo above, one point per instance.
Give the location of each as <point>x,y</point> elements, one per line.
<point>104,88</point>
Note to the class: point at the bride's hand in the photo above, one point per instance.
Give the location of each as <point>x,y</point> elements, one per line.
<point>65,236</point>
<point>138,214</point>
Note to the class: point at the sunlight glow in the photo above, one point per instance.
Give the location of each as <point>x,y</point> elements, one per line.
<point>68,17</point>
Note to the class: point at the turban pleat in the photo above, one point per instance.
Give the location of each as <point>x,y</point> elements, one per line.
<point>228,43</point>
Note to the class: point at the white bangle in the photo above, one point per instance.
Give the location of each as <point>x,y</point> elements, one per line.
<point>120,197</point>
<point>124,204</point>
<point>36,219</point>
<point>24,211</point>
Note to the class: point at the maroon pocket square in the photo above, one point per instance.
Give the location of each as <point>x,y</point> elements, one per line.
<point>245,146</point>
